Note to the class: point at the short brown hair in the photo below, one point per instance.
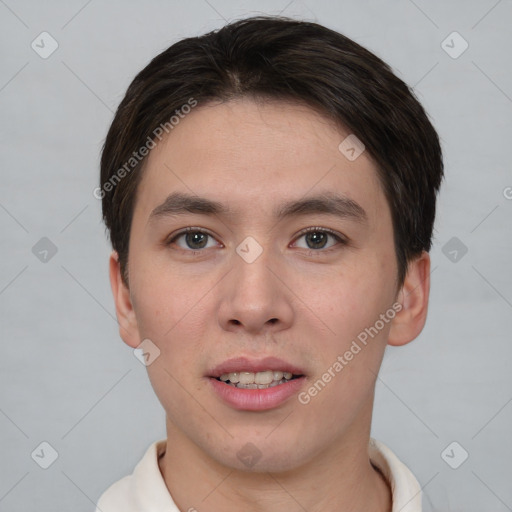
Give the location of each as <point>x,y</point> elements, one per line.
<point>273,57</point>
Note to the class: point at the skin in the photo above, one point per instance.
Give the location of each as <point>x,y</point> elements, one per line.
<point>203,307</point>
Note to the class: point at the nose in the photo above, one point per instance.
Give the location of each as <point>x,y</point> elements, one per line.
<point>254,296</point>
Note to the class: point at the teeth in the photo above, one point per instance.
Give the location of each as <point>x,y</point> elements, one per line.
<point>260,380</point>
<point>233,377</point>
<point>264,377</point>
<point>246,378</point>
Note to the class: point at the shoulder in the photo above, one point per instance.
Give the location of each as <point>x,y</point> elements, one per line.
<point>132,492</point>
<point>405,489</point>
<point>117,497</point>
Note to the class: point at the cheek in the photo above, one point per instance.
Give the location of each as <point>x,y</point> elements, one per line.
<point>164,298</point>
<point>354,346</point>
<point>357,295</point>
<point>173,317</point>
<point>350,359</point>
<point>172,313</point>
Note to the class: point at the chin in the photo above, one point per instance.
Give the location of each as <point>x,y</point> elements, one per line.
<point>254,457</point>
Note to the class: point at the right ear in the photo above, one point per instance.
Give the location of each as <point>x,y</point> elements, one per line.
<point>128,328</point>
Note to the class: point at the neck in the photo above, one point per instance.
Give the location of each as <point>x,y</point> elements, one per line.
<point>341,478</point>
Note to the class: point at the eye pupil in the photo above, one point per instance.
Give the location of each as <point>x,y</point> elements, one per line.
<point>317,237</point>
<point>192,238</point>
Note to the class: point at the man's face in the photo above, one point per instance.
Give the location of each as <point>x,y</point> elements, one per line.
<point>247,283</point>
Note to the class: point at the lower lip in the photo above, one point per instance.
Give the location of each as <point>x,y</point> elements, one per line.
<point>256,399</point>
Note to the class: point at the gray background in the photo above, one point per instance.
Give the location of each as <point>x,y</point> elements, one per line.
<point>66,376</point>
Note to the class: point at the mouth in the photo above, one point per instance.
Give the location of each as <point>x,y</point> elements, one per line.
<point>245,372</point>
<point>257,380</point>
<point>256,384</point>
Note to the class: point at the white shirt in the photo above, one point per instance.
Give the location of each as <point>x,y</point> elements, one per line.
<point>145,489</point>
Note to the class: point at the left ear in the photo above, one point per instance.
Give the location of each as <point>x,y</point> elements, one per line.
<point>413,297</point>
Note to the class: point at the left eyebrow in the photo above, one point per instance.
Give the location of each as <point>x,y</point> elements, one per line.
<point>179,203</point>
<point>328,203</point>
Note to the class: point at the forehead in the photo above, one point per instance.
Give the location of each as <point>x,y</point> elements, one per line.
<point>253,156</point>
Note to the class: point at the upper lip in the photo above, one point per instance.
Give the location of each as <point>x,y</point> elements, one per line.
<point>244,364</point>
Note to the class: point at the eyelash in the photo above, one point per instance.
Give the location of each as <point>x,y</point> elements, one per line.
<point>339,238</point>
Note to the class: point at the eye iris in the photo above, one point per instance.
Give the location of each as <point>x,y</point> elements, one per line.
<point>192,238</point>
<point>317,237</point>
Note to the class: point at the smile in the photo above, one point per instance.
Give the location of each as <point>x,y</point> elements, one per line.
<point>258,380</point>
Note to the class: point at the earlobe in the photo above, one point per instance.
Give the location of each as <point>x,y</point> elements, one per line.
<point>128,329</point>
<point>413,297</point>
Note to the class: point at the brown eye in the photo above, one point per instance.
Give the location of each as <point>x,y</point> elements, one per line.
<point>317,238</point>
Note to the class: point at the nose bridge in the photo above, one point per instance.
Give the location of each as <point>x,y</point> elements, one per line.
<point>251,262</point>
<point>252,294</point>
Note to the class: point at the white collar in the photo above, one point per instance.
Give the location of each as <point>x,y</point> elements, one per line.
<point>405,489</point>
<point>145,488</point>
